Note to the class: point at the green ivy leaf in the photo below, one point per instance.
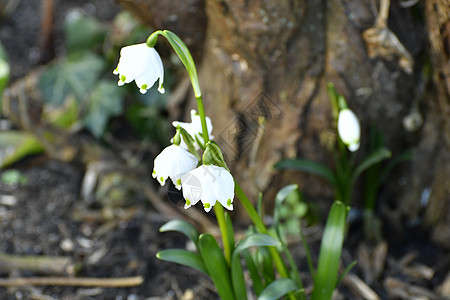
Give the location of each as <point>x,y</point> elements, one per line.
<point>82,32</point>
<point>105,102</point>
<point>77,75</point>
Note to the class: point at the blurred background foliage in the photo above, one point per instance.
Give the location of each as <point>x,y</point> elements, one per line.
<point>78,92</point>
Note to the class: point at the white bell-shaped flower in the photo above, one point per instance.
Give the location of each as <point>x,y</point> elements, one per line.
<point>173,162</point>
<point>194,128</point>
<point>208,183</point>
<point>349,129</point>
<point>141,64</point>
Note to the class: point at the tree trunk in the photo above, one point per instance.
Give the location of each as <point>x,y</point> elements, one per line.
<point>264,71</point>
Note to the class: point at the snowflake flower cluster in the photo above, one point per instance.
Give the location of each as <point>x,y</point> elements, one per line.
<point>207,183</point>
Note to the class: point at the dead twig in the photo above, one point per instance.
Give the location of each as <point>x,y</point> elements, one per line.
<point>73,281</point>
<point>359,287</point>
<point>37,263</point>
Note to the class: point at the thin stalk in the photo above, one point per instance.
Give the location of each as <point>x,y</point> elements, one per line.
<point>201,112</point>
<point>220,216</point>
<point>309,260</point>
<point>290,259</point>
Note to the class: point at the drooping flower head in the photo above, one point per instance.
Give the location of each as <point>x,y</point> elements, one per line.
<point>141,64</point>
<point>349,129</point>
<point>208,183</point>
<point>174,161</point>
<point>194,128</point>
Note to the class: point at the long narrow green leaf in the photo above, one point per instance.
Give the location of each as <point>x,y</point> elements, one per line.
<point>216,265</point>
<point>237,277</point>
<point>307,166</point>
<point>278,289</point>
<point>330,253</point>
<point>254,274</point>
<point>267,265</point>
<point>183,227</point>
<point>346,271</point>
<point>373,158</point>
<point>405,156</point>
<point>183,257</point>
<point>230,232</point>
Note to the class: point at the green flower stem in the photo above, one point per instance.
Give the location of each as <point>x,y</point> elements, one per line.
<point>218,209</point>
<point>220,216</point>
<point>201,112</point>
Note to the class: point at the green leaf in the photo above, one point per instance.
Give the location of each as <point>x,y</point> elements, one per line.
<point>346,271</point>
<point>64,116</point>
<point>267,264</point>
<point>77,75</point>
<point>4,72</point>
<point>278,289</point>
<point>254,274</point>
<point>183,257</point>
<point>405,156</point>
<point>148,122</point>
<point>104,103</point>
<point>257,239</point>
<point>309,167</point>
<point>14,177</point>
<point>279,199</point>
<point>330,253</point>
<point>23,145</point>
<point>183,227</point>
<point>373,158</point>
<point>186,58</point>
<point>237,277</point>
<point>230,231</point>
<point>216,265</point>
<point>83,32</point>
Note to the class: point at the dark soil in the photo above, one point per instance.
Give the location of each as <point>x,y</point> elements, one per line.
<point>43,218</point>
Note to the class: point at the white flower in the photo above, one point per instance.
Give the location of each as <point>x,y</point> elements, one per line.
<point>349,129</point>
<point>195,128</point>
<point>208,183</point>
<point>173,162</point>
<point>141,64</point>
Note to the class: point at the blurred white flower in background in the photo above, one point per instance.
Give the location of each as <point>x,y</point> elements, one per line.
<point>349,129</point>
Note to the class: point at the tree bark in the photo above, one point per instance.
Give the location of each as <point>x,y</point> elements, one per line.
<point>264,70</point>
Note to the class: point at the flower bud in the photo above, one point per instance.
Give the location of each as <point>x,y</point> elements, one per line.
<point>349,129</point>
